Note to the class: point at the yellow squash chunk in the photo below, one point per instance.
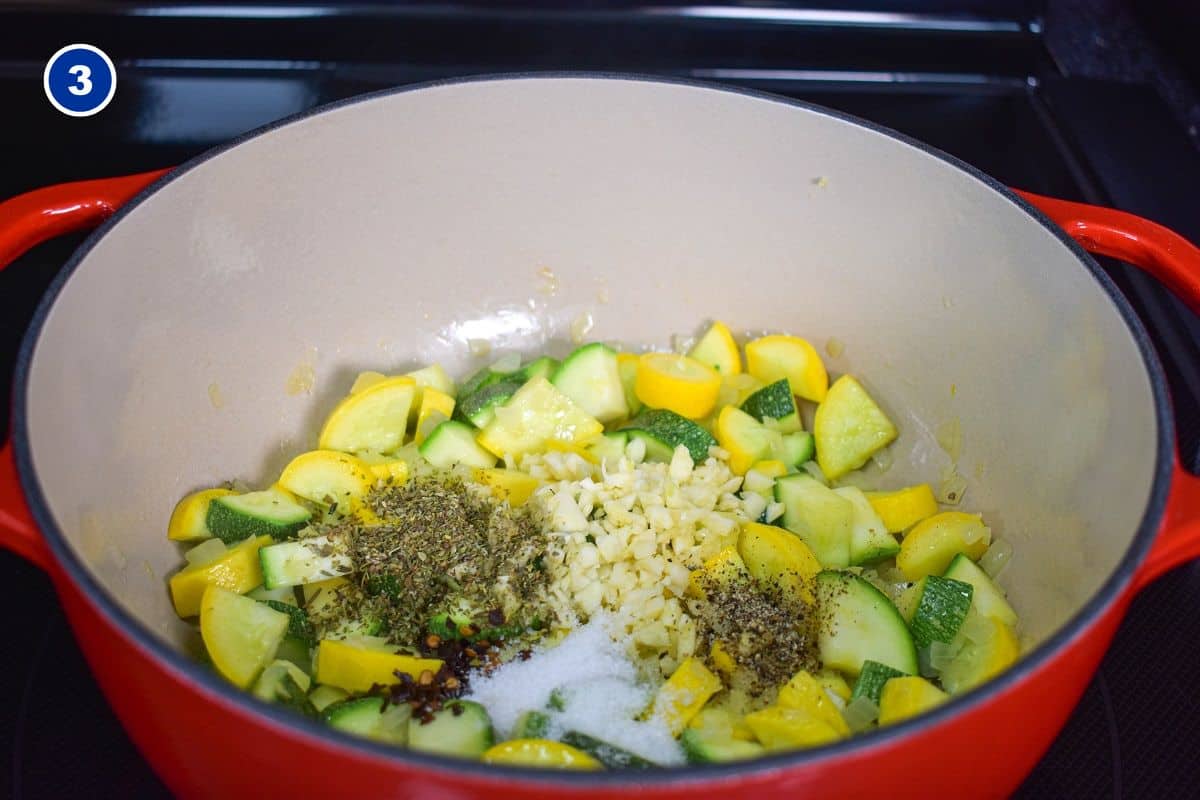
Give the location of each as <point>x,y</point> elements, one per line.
<point>775,557</point>
<point>431,377</point>
<point>849,428</point>
<point>327,476</point>
<point>773,358</point>
<point>746,439</point>
<point>320,594</point>
<point>356,669</point>
<point>241,635</point>
<point>685,693</point>
<point>718,350</point>
<point>932,544</point>
<point>566,447</point>
<point>990,648</point>
<point>436,408</point>
<point>538,413</point>
<point>187,520</point>
<point>721,569</point>
<point>238,571</point>
<point>374,418</point>
<point>736,388</point>
<point>906,697</point>
<point>507,484</point>
<point>393,471</point>
<point>366,516</point>
<point>771,467</point>
<point>722,722</point>
<point>779,728</point>
<point>434,377</point>
<point>832,681</point>
<point>365,380</point>
<point>539,753</point>
<point>721,660</point>
<point>804,692</point>
<point>677,383</point>
<point>903,508</point>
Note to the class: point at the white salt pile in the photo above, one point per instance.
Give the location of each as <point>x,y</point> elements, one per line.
<point>599,687</point>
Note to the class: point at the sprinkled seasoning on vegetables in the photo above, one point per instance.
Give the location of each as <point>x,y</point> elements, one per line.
<point>615,561</point>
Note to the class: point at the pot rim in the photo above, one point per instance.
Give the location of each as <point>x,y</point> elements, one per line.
<point>290,724</point>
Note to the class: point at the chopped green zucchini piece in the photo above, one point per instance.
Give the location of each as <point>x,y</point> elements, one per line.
<point>367,717</point>
<point>775,402</point>
<point>871,680</point>
<point>858,623</point>
<point>590,376</point>
<point>607,754</point>
<point>663,430</point>
<point>531,725</point>
<point>709,747</point>
<point>453,442</point>
<point>302,561</point>
<point>460,728</point>
<point>818,515</point>
<point>937,608</point>
<point>267,513</point>
<point>987,597</point>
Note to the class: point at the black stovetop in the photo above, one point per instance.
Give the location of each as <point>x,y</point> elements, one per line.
<point>980,84</point>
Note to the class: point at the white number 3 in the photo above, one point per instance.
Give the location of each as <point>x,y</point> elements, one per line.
<point>83,80</point>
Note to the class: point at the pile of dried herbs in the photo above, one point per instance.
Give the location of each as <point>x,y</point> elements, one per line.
<point>443,547</point>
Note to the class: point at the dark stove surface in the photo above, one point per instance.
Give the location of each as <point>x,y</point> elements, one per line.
<point>1136,729</point>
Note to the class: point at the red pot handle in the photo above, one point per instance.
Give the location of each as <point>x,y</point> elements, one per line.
<point>1175,262</point>
<point>25,221</point>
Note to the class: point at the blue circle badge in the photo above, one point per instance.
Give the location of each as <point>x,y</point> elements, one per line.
<point>80,80</point>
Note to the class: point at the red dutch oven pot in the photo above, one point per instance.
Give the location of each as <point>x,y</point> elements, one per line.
<point>172,353</point>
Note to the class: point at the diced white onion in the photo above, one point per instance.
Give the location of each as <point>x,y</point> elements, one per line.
<point>205,553</point>
<point>681,464</point>
<point>976,628</point>
<point>996,558</point>
<point>774,511</point>
<point>941,654</point>
<point>860,713</point>
<point>479,347</point>
<point>756,481</point>
<point>812,469</point>
<point>924,666</point>
<point>949,437</point>
<point>509,362</point>
<point>755,505</point>
<point>952,489</point>
<point>890,573</point>
<point>431,421</point>
<point>581,326</point>
<point>977,533</point>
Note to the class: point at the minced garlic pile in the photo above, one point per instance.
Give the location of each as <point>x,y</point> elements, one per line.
<point>624,535</point>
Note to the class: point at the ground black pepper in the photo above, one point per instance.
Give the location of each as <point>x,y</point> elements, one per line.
<point>769,633</point>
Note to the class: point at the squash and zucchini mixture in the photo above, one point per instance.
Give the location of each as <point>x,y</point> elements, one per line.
<point>617,561</point>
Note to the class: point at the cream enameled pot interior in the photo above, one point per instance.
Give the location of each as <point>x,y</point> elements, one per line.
<point>206,335</point>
